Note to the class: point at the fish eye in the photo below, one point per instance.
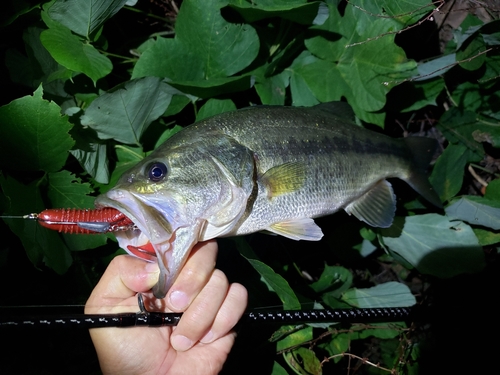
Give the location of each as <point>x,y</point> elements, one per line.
<point>157,171</point>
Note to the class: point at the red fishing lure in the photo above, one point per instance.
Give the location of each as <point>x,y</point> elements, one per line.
<point>86,221</point>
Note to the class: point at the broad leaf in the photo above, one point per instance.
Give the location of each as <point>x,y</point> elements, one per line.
<point>126,113</point>
<point>435,67</point>
<point>41,244</point>
<point>333,278</point>
<point>214,107</point>
<point>33,134</point>
<point>205,46</point>
<point>435,245</point>
<point>391,294</point>
<point>448,173</point>
<point>278,284</point>
<point>67,191</point>
<point>296,338</point>
<point>353,65</point>
<point>84,17</point>
<point>465,127</point>
<point>294,10</point>
<point>303,361</point>
<point>74,54</point>
<point>475,210</point>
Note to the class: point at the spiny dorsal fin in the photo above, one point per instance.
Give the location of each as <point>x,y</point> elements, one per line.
<point>284,178</point>
<point>298,229</point>
<point>341,110</point>
<point>376,207</point>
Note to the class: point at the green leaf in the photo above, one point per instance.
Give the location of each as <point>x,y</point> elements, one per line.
<point>205,46</point>
<point>74,54</point>
<point>365,248</point>
<point>158,61</point>
<point>294,10</point>
<point>404,12</point>
<point>84,17</point>
<point>333,278</point>
<point>33,134</point>
<point>94,160</point>
<point>272,90</point>
<point>278,284</point>
<point>68,191</point>
<point>339,344</point>
<point>295,339</point>
<point>486,237</point>
<point>355,68</point>
<point>493,190</point>
<point>167,134</point>
<point>127,158</point>
<point>465,127</point>
<point>126,113</point>
<point>41,244</point>
<point>417,95</point>
<point>435,245</point>
<point>34,68</point>
<point>435,67</point>
<point>214,86</point>
<point>303,361</point>
<point>278,369</point>
<point>475,210</point>
<point>384,332</point>
<point>214,107</point>
<point>391,294</point>
<point>473,53</point>
<point>448,172</point>
<point>14,9</point>
<point>302,95</point>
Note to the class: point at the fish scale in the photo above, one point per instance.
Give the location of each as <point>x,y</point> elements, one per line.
<point>262,168</point>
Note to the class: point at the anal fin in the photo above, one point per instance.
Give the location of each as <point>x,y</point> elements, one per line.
<point>298,229</point>
<point>376,207</point>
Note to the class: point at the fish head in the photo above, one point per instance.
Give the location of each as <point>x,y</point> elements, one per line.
<point>179,195</point>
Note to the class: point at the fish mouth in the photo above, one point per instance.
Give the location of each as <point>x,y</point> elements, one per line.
<point>150,238</point>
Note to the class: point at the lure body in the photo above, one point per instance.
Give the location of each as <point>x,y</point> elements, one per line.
<point>86,221</point>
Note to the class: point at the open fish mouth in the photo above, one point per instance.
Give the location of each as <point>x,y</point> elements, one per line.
<point>151,236</point>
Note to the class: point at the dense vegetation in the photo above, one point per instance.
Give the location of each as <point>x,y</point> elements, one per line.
<point>92,87</point>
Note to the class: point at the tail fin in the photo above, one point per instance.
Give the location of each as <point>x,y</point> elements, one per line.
<point>422,150</point>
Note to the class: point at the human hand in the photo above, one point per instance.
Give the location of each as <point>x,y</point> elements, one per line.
<point>201,341</point>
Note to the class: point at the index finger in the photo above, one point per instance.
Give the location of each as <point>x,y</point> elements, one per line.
<point>123,279</point>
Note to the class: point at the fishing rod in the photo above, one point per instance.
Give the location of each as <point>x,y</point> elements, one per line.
<point>146,318</point>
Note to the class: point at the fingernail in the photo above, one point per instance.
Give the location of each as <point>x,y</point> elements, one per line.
<point>181,343</point>
<point>179,300</point>
<point>208,338</point>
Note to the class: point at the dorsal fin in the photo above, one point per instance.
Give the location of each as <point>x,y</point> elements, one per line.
<point>376,207</point>
<point>341,110</point>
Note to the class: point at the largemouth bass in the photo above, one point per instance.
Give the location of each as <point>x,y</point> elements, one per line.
<point>262,168</point>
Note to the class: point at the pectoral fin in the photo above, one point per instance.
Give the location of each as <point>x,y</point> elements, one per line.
<point>300,229</point>
<point>284,178</point>
<point>376,207</point>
